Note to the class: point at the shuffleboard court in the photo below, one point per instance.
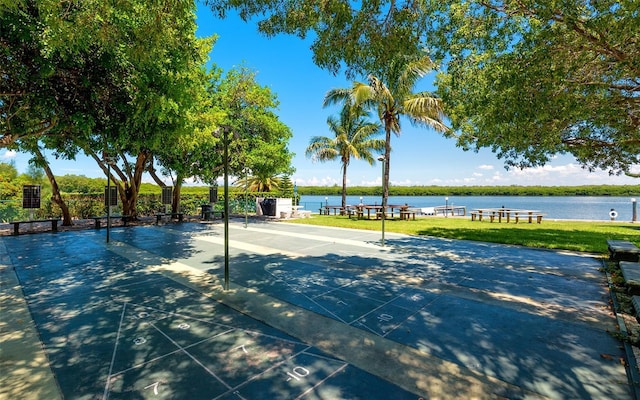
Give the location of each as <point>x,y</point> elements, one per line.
<point>111,330</point>
<point>317,312</point>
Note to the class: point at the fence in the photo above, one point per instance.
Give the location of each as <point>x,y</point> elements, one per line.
<point>82,206</point>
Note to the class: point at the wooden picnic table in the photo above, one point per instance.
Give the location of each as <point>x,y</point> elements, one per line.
<point>335,209</point>
<point>506,213</point>
<point>378,209</point>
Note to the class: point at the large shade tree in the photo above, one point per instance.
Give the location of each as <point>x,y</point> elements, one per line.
<point>527,79</point>
<point>530,80</point>
<point>167,83</point>
<point>257,138</point>
<point>99,77</point>
<point>392,97</point>
<point>354,136</point>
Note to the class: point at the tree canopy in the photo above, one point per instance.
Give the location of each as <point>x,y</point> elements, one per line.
<point>125,83</point>
<point>528,79</point>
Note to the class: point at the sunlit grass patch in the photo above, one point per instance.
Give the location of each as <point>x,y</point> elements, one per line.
<point>584,236</point>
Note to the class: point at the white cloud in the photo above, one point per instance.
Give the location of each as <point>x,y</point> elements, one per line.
<point>9,155</point>
<point>486,167</point>
<point>315,181</point>
<point>406,182</point>
<point>375,182</point>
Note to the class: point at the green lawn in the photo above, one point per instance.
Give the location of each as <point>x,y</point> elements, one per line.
<point>568,235</point>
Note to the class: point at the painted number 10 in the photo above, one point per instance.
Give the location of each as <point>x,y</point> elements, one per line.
<point>297,373</point>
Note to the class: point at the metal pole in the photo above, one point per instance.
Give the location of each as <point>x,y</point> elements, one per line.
<point>383,206</point>
<point>246,181</point>
<point>446,207</point>
<point>634,216</point>
<point>382,159</point>
<point>226,209</point>
<point>108,198</point>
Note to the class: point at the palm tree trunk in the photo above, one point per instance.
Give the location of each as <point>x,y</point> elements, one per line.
<point>344,186</point>
<point>387,156</point>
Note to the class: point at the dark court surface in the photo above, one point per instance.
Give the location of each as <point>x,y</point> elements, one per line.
<point>113,328</point>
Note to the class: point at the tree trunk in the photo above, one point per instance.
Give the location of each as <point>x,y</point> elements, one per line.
<point>128,185</point>
<point>344,185</point>
<point>387,154</point>
<point>129,197</point>
<point>132,185</point>
<point>175,201</point>
<point>56,197</point>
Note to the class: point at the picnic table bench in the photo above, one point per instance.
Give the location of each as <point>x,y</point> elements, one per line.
<point>325,210</point>
<point>623,250</point>
<point>98,219</point>
<point>178,216</point>
<point>507,214</point>
<point>53,221</point>
<point>631,273</point>
<point>408,214</point>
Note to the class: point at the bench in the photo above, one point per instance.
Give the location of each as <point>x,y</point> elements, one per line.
<point>211,215</point>
<point>178,216</point>
<point>405,214</point>
<point>97,220</point>
<point>529,217</point>
<point>300,214</point>
<point>635,300</point>
<point>623,250</point>
<point>53,221</point>
<point>631,273</point>
<point>358,212</point>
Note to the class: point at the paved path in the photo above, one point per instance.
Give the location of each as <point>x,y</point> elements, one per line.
<point>313,313</point>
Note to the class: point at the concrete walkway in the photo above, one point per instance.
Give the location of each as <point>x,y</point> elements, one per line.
<point>327,313</point>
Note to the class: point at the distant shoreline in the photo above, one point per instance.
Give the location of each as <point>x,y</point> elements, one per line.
<point>583,190</point>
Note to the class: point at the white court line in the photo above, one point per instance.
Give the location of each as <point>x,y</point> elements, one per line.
<point>105,395</point>
<point>185,351</point>
<point>254,377</point>
<point>322,381</point>
<point>307,297</point>
<point>262,250</point>
<point>319,238</point>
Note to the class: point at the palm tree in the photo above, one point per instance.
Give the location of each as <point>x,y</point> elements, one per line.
<point>354,136</point>
<point>260,182</point>
<point>395,99</point>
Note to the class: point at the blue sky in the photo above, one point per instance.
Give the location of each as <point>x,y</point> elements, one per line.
<point>419,156</point>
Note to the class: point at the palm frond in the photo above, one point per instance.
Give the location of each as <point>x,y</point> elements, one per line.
<point>424,109</point>
<point>337,96</point>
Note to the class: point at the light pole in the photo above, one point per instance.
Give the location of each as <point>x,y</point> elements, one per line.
<point>246,184</point>
<point>634,209</point>
<point>382,159</point>
<point>225,131</point>
<point>110,161</point>
<point>446,207</point>
<point>225,143</point>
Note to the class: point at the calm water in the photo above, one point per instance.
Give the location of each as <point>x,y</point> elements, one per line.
<point>555,207</point>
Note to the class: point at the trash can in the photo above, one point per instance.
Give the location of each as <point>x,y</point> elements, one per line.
<point>268,207</point>
<point>207,212</point>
